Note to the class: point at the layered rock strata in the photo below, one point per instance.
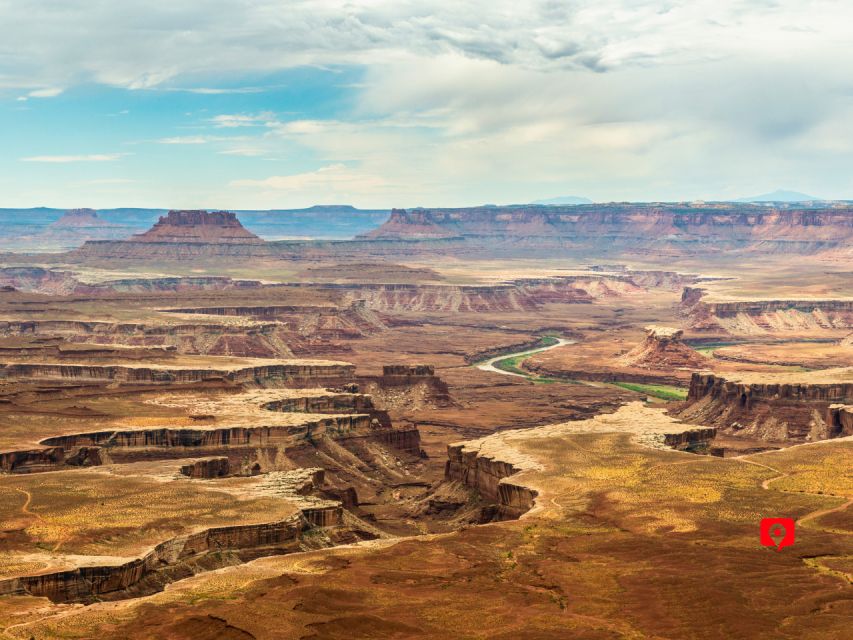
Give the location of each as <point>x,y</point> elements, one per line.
<point>488,476</point>
<point>207,468</point>
<point>766,317</point>
<point>273,373</point>
<point>757,227</point>
<point>188,554</point>
<point>663,349</point>
<point>787,411</point>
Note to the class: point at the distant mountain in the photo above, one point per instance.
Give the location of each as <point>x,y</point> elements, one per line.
<point>46,229</point>
<point>564,200</point>
<point>780,195</point>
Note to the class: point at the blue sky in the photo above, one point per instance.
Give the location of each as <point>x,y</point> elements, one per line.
<point>269,104</point>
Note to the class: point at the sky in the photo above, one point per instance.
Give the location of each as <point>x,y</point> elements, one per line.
<point>288,103</point>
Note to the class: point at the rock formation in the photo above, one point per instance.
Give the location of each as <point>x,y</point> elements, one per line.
<point>207,468</point>
<point>77,218</point>
<point>664,224</point>
<point>663,349</point>
<point>295,373</point>
<point>790,410</point>
<point>759,317</point>
<point>205,227</point>
<point>179,235</point>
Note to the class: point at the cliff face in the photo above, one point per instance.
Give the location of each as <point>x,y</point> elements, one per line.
<point>631,224</point>
<point>489,476</point>
<point>757,317</point>
<point>207,468</point>
<point>296,374</point>
<point>840,420</point>
<point>794,412</point>
<point>174,559</point>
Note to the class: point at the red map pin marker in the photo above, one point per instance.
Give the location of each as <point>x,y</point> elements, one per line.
<point>777,532</point>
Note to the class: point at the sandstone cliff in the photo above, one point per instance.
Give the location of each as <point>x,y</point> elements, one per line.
<point>766,317</point>
<point>732,225</point>
<point>773,411</point>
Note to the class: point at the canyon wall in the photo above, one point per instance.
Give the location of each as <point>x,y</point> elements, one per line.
<point>172,559</point>
<point>297,374</point>
<point>766,317</point>
<point>489,476</point>
<point>840,420</point>
<point>780,412</point>
<point>627,223</point>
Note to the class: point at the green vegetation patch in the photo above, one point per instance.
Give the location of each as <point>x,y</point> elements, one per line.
<point>662,391</point>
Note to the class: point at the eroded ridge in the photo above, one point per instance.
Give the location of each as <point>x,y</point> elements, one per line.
<point>232,454</point>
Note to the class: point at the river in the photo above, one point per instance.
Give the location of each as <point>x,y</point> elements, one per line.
<point>489,365</point>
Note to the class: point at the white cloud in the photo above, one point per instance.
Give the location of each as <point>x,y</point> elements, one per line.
<point>335,179</point>
<point>214,91</point>
<point>50,92</point>
<point>247,152</point>
<point>94,157</point>
<point>233,120</point>
<point>144,45</point>
<point>185,140</point>
<point>487,100</point>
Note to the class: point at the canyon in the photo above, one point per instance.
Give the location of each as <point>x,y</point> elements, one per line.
<point>203,429</point>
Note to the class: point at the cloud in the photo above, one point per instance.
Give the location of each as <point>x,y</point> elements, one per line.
<point>335,178</point>
<point>247,152</point>
<point>185,140</point>
<point>50,92</point>
<point>484,101</point>
<point>151,45</point>
<point>94,157</point>
<point>233,120</point>
<point>216,91</point>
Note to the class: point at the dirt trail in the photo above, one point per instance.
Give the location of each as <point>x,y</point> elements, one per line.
<point>812,515</point>
<point>25,509</point>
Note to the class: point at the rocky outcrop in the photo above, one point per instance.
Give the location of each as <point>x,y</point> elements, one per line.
<point>179,235</point>
<point>663,349</point>
<point>767,317</point>
<point>207,468</point>
<point>408,370</point>
<point>488,476</point>
<point>286,374</point>
<point>839,417</point>
<point>32,460</point>
<point>49,459</point>
<point>331,403</point>
<point>170,560</point>
<point>308,335</point>
<point>690,440</point>
<point>780,412</point>
<point>213,437</point>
